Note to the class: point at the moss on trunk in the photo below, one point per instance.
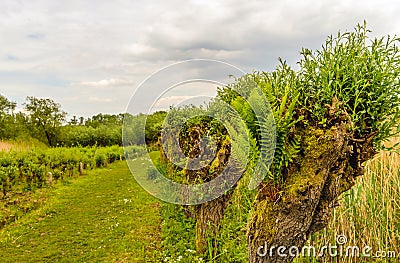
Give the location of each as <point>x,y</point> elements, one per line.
<point>313,181</point>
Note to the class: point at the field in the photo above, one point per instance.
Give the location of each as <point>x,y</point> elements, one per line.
<point>103,216</point>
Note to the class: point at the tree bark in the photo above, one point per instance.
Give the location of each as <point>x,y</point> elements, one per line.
<point>326,167</point>
<point>208,224</point>
<point>48,137</point>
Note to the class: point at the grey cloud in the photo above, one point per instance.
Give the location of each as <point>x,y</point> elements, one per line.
<point>250,30</point>
<point>51,46</point>
<point>35,36</point>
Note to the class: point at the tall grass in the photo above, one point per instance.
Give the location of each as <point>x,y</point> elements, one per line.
<point>369,213</point>
<point>21,144</point>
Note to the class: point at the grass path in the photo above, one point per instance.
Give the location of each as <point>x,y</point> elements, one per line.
<point>104,216</point>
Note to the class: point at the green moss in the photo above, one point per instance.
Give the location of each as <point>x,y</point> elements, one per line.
<point>214,165</point>
<point>222,152</point>
<point>315,143</point>
<point>264,218</point>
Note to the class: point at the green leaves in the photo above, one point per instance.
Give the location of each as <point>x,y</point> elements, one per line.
<point>351,79</point>
<point>46,116</point>
<point>362,73</point>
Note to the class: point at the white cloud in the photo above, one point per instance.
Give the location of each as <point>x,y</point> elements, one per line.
<point>98,99</point>
<point>164,103</point>
<point>104,83</point>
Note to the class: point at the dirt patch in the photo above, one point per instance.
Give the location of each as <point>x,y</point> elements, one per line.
<point>5,146</point>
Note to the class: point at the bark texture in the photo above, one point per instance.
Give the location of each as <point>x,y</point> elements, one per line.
<point>326,167</point>
<point>208,223</point>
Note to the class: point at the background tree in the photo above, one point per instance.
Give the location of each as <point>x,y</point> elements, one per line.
<point>46,116</point>
<point>73,121</point>
<point>45,121</point>
<point>154,123</point>
<point>132,126</point>
<point>100,130</point>
<point>6,106</point>
<point>105,119</point>
<point>7,118</point>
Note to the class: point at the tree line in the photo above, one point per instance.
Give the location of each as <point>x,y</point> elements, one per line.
<point>44,120</point>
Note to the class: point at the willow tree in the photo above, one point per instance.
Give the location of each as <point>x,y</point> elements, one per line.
<point>206,150</point>
<point>332,115</point>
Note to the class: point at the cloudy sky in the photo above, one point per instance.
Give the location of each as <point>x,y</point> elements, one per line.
<point>91,56</point>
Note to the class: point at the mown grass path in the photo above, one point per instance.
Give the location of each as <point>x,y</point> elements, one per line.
<point>104,216</point>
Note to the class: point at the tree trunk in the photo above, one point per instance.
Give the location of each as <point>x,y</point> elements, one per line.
<point>48,137</point>
<point>209,215</point>
<point>326,167</point>
<point>208,224</point>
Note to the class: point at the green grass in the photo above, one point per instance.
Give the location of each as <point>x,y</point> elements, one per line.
<point>104,216</point>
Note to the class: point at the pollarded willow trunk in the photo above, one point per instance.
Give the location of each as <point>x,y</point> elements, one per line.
<point>208,224</point>
<point>326,167</point>
<point>208,215</point>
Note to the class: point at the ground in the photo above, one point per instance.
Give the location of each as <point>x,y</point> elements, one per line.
<point>104,216</point>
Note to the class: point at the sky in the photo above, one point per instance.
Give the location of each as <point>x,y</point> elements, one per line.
<point>91,56</point>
